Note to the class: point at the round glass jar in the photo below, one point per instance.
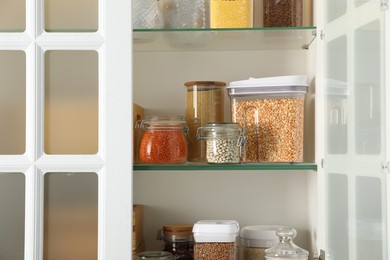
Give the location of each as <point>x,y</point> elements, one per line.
<point>178,240</point>
<point>286,249</point>
<point>163,140</point>
<point>225,142</point>
<point>205,102</point>
<point>154,255</point>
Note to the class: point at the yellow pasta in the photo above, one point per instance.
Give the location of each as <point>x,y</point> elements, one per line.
<point>231,13</point>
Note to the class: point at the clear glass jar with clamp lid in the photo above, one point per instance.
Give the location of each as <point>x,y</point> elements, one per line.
<point>225,142</point>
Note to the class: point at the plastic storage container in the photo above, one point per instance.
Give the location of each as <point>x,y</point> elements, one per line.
<point>147,14</point>
<point>178,240</point>
<point>225,142</point>
<point>204,104</point>
<point>231,13</point>
<point>254,240</point>
<point>215,239</point>
<point>185,14</point>
<point>285,249</point>
<point>283,13</point>
<point>154,255</point>
<point>163,140</point>
<point>272,111</point>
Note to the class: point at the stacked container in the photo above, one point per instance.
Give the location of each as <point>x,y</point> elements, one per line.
<point>215,239</point>
<point>204,104</point>
<point>272,111</point>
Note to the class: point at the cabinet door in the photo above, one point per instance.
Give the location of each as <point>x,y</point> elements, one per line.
<point>355,129</point>
<point>65,130</point>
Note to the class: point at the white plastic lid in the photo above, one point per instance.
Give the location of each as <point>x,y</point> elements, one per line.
<point>216,231</point>
<point>281,84</point>
<point>259,235</point>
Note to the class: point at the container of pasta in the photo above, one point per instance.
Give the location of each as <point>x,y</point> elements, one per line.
<point>272,111</point>
<point>231,13</point>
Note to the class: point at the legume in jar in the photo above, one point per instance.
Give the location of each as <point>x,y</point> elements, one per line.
<point>163,140</point>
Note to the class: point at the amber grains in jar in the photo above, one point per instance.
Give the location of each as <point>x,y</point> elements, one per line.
<point>231,13</point>
<point>215,239</point>
<point>204,104</point>
<point>283,13</point>
<point>178,240</point>
<point>163,140</point>
<point>272,111</point>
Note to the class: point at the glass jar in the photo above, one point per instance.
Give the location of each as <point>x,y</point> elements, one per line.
<point>254,240</point>
<point>283,13</point>
<point>231,13</point>
<point>225,142</point>
<point>285,248</point>
<point>147,14</point>
<point>185,14</point>
<point>178,240</point>
<point>154,255</point>
<point>205,102</point>
<point>215,239</point>
<point>163,140</point>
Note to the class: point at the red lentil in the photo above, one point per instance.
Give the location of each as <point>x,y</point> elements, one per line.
<point>163,146</point>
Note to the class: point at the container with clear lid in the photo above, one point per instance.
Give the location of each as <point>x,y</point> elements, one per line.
<point>286,249</point>
<point>225,142</point>
<point>272,111</point>
<point>254,240</point>
<point>231,13</point>
<point>154,255</point>
<point>163,140</point>
<point>215,239</point>
<point>178,240</point>
<point>204,104</point>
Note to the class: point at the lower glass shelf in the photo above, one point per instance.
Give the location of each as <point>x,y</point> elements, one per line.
<point>229,167</point>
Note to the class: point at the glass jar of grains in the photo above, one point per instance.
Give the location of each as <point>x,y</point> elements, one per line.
<point>204,104</point>
<point>225,142</point>
<point>283,13</point>
<point>163,139</point>
<point>254,240</point>
<point>178,240</point>
<point>231,13</point>
<point>215,239</point>
<point>185,14</point>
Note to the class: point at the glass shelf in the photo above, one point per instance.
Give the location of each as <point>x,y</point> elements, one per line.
<point>226,167</point>
<point>223,39</point>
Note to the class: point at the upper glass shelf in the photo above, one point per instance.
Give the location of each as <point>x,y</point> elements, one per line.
<point>226,167</point>
<point>223,39</point>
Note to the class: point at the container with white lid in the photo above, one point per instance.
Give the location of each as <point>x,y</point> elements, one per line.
<point>254,240</point>
<point>215,239</point>
<point>272,111</point>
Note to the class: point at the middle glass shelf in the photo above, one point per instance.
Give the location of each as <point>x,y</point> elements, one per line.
<point>223,39</point>
<point>226,167</point>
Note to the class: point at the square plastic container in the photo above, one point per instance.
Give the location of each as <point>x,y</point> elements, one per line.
<point>272,111</point>
<point>215,239</point>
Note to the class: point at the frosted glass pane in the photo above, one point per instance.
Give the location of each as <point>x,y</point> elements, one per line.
<point>367,89</point>
<point>12,15</point>
<point>338,218</point>
<point>71,15</point>
<point>70,216</point>
<point>71,102</point>
<point>335,9</point>
<point>336,89</point>
<point>12,204</point>
<point>12,102</point>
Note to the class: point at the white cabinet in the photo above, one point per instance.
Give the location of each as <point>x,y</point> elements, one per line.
<point>339,205</point>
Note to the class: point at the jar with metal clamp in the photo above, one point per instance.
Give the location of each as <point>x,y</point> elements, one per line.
<point>225,142</point>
